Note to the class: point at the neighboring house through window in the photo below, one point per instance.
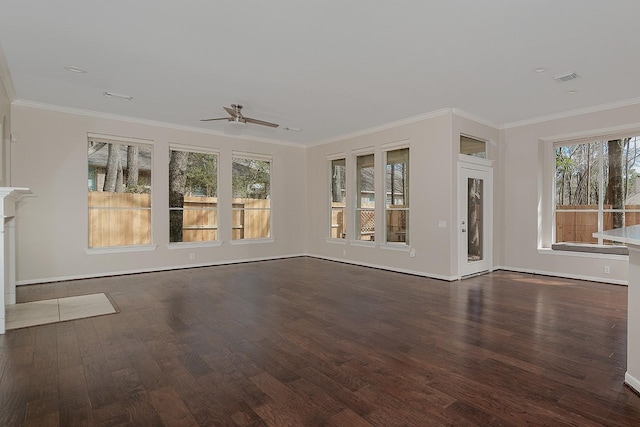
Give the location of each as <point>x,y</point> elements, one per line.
<point>251,204</point>
<point>119,178</point>
<point>193,195</point>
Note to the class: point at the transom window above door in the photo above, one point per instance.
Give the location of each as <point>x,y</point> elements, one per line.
<point>473,147</point>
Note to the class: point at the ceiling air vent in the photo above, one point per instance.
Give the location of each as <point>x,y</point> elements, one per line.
<point>565,77</point>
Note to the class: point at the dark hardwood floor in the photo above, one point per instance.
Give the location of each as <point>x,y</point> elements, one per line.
<point>310,342</point>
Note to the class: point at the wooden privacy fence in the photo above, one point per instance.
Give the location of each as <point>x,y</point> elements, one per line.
<point>251,218</point>
<point>199,219</point>
<point>119,219</point>
<point>396,223</point>
<point>578,227</point>
<point>338,225</point>
<point>124,219</point>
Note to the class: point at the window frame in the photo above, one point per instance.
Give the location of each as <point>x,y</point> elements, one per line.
<point>473,139</point>
<point>601,139</point>
<point>385,152</point>
<point>200,150</point>
<point>119,140</point>
<point>330,160</point>
<point>357,197</point>
<point>261,157</point>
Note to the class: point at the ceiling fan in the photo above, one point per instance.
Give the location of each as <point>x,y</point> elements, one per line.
<point>235,113</point>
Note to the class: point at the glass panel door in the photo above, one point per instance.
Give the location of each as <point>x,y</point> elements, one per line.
<point>475,219</point>
<point>475,231</point>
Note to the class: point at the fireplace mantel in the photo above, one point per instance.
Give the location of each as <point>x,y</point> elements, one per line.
<point>9,197</point>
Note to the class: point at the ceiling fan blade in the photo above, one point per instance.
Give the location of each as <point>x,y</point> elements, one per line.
<point>209,120</point>
<point>260,122</point>
<point>231,111</point>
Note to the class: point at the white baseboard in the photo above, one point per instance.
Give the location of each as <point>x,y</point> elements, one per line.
<point>388,268</point>
<point>564,275</point>
<point>346,261</point>
<point>150,270</point>
<point>632,382</point>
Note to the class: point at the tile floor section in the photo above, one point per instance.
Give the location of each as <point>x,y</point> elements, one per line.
<point>57,310</point>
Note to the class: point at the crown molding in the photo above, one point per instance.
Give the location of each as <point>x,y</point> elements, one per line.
<point>572,113</point>
<point>5,77</point>
<point>135,120</point>
<point>469,116</point>
<point>391,125</point>
<point>613,132</point>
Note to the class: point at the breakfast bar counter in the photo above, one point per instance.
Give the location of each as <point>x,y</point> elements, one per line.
<point>631,236</point>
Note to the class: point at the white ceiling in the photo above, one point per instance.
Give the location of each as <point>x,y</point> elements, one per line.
<point>330,67</point>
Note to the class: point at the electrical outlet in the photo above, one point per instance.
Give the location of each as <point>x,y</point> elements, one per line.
<point>607,269</point>
<point>192,256</point>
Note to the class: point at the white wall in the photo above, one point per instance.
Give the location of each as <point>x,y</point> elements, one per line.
<point>50,158</point>
<point>5,134</point>
<point>431,197</point>
<point>52,230</point>
<point>527,192</point>
<point>434,148</point>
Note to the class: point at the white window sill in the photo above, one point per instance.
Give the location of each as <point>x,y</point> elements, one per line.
<point>549,251</point>
<point>251,241</point>
<point>186,245</point>
<point>121,249</point>
<point>363,243</point>
<point>336,241</point>
<point>400,247</point>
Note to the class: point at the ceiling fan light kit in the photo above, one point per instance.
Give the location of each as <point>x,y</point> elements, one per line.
<point>237,121</point>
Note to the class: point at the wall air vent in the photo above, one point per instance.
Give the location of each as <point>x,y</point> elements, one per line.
<point>565,77</point>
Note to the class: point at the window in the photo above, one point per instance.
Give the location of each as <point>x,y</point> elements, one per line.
<point>193,196</point>
<point>119,192</point>
<point>473,147</point>
<point>397,196</point>
<point>338,198</point>
<point>596,188</point>
<point>365,193</point>
<point>251,182</point>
